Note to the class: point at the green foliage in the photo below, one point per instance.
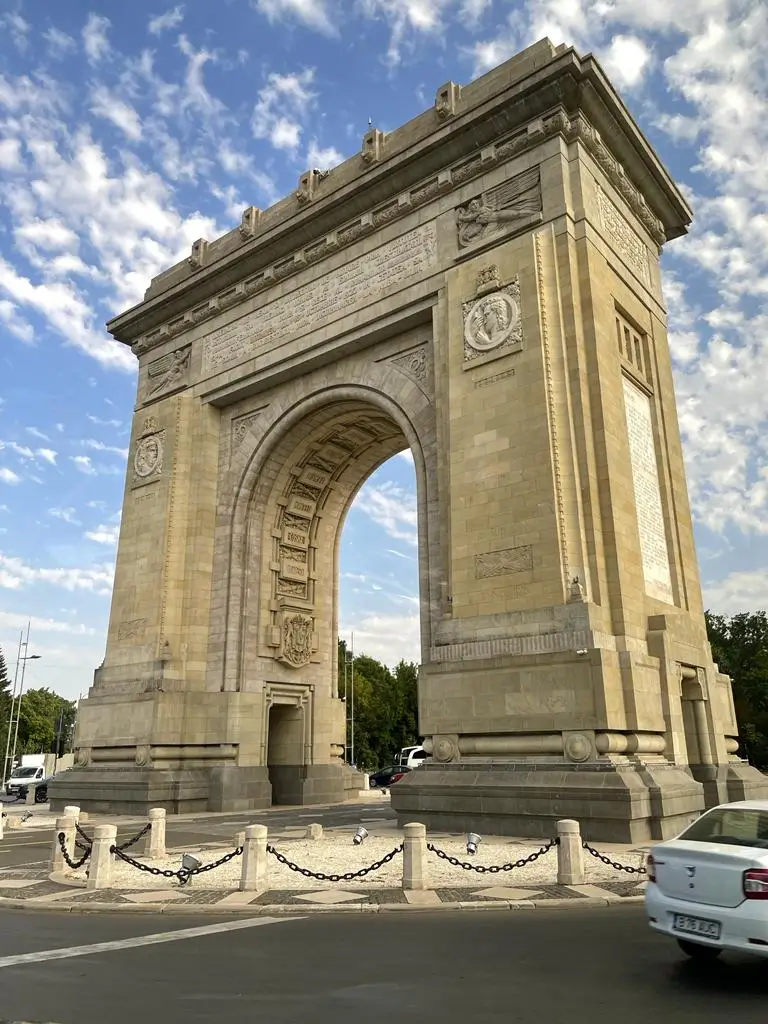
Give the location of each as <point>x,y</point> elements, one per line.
<point>740,649</point>
<point>5,704</point>
<point>42,712</point>
<point>386,716</point>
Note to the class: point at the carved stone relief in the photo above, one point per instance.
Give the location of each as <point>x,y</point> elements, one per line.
<point>240,427</point>
<point>295,639</point>
<point>492,322</point>
<point>504,562</point>
<point>169,373</point>
<point>131,629</point>
<point>148,453</point>
<point>627,242</point>
<point>416,364</point>
<point>513,201</point>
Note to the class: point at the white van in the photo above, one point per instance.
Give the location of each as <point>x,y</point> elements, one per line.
<point>22,778</point>
<point>413,757</point>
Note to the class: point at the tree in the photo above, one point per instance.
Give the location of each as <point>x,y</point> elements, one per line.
<point>740,649</point>
<point>5,705</point>
<point>385,707</point>
<point>43,716</point>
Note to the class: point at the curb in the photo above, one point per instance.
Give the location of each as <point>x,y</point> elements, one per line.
<point>291,909</point>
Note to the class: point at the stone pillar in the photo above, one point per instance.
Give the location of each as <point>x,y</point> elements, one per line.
<point>570,854</point>
<point>30,797</point>
<point>415,856</point>
<point>67,826</point>
<point>72,812</point>
<point>254,875</point>
<point>154,841</point>
<point>702,732</point>
<point>314,831</point>
<point>1,821</point>
<point>101,859</point>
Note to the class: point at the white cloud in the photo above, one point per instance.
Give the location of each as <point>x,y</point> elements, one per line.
<point>95,40</point>
<point>389,638</point>
<point>67,515</point>
<point>121,114</point>
<point>626,60</point>
<point>14,322</point>
<point>99,446</point>
<point>34,432</point>
<point>312,13</point>
<point>196,96</point>
<point>17,28</point>
<point>7,476</point>
<point>106,535</point>
<point>162,22</point>
<point>12,620</point>
<point>10,155</point>
<point>744,591</point>
<point>282,104</point>
<point>84,464</point>
<point>322,158</point>
<point>59,43</point>
<point>15,574</point>
<point>104,423</point>
<point>390,507</point>
<point>47,234</point>
<point>47,455</point>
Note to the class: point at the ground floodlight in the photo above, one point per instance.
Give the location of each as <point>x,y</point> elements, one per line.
<point>190,863</point>
<point>360,835</point>
<point>473,841</point>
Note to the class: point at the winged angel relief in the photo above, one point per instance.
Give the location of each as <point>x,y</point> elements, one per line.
<point>513,200</point>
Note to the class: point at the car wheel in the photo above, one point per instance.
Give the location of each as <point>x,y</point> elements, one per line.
<point>41,796</point>
<point>372,783</point>
<point>698,952</point>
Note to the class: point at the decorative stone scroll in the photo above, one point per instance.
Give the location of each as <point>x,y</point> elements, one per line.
<point>240,427</point>
<point>504,562</point>
<point>169,373</point>
<point>513,201</point>
<point>416,364</point>
<point>492,323</point>
<point>624,240</point>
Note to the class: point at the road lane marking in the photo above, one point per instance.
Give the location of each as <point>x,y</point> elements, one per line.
<point>140,940</point>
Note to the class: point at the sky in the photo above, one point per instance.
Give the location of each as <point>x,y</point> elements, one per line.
<point>129,131</point>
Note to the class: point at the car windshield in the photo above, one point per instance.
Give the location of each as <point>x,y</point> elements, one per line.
<point>735,826</point>
<point>24,773</point>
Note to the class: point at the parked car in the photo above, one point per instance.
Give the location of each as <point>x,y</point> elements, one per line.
<point>41,792</point>
<point>21,778</point>
<point>708,888</point>
<point>412,757</point>
<point>385,777</point>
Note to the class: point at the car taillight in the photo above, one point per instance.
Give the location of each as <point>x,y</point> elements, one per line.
<point>650,867</point>
<point>396,778</point>
<point>756,884</point>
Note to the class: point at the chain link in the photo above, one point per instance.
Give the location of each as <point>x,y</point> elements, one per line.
<point>613,863</point>
<point>139,835</point>
<point>183,874</point>
<point>83,835</point>
<point>492,869</point>
<point>346,877</point>
<point>74,864</point>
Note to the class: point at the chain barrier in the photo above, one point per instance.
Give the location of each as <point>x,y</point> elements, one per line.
<point>493,869</point>
<point>346,877</point>
<point>74,864</point>
<point>132,842</point>
<point>612,863</point>
<point>183,874</point>
<point>82,833</point>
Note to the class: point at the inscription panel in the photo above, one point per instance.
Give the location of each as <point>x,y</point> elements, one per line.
<point>628,244</point>
<point>645,474</point>
<point>360,281</point>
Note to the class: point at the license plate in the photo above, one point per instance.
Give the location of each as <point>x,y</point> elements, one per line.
<point>696,926</point>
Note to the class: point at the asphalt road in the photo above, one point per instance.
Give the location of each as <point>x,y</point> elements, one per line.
<point>27,846</point>
<point>556,967</point>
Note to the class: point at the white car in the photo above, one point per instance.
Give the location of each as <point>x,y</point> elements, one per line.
<point>708,888</point>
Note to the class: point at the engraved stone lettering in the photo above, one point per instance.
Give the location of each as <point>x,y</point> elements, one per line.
<point>293,538</point>
<point>293,570</point>
<point>645,475</point>
<point>487,381</point>
<point>301,507</point>
<point>315,478</point>
<point>361,281</point>
<point>504,562</point>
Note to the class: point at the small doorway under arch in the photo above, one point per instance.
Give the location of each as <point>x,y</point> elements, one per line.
<point>285,752</point>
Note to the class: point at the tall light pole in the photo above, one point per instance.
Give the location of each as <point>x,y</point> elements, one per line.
<point>13,701</point>
<point>352,704</point>
<point>23,659</point>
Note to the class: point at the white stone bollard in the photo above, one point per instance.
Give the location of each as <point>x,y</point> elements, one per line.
<point>153,843</point>
<point>72,812</point>
<point>314,831</point>
<point>1,821</point>
<point>30,797</point>
<point>255,871</point>
<point>570,855</point>
<point>415,856</point>
<point>67,826</point>
<point>101,861</point>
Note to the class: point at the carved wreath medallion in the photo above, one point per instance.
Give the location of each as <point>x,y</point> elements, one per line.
<point>492,321</point>
<point>148,458</point>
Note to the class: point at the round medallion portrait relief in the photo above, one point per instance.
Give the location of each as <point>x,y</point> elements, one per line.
<point>490,321</point>
<point>149,455</point>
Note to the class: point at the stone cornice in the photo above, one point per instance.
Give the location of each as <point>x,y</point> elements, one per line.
<point>446,180</point>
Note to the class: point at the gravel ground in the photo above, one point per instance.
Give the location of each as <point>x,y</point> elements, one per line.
<point>335,853</point>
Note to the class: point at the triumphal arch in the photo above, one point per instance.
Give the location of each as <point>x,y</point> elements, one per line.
<point>482,286</point>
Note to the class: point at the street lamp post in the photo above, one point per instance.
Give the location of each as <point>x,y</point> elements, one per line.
<point>16,704</point>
